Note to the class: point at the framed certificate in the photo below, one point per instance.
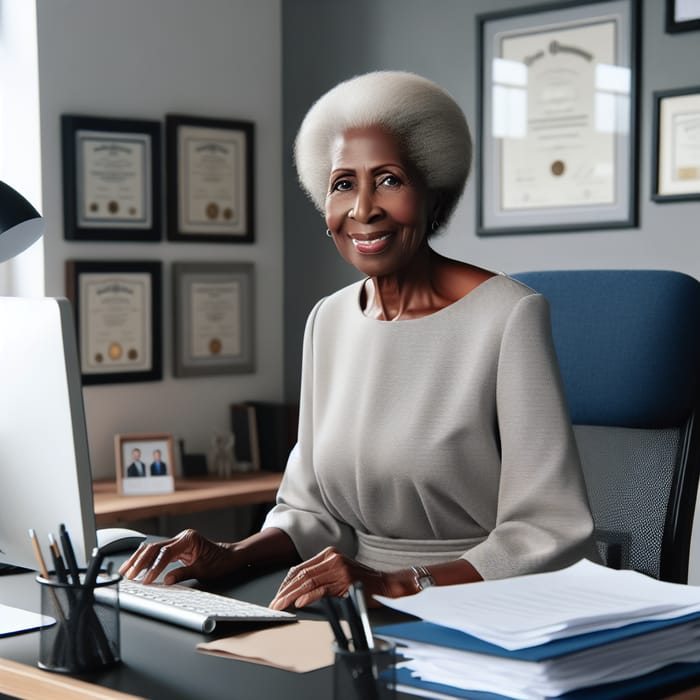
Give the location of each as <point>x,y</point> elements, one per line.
<point>210,183</point>
<point>557,127</point>
<point>682,15</point>
<point>111,179</point>
<point>214,312</point>
<point>676,151</point>
<point>118,317</point>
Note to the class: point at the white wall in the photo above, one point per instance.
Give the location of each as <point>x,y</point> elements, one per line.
<point>143,59</point>
<point>20,154</point>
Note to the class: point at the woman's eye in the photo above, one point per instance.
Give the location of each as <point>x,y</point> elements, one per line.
<point>390,181</point>
<point>342,185</point>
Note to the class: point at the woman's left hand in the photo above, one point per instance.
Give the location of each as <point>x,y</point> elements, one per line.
<point>329,573</point>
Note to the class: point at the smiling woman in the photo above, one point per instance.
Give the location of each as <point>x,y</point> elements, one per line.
<point>434,441</point>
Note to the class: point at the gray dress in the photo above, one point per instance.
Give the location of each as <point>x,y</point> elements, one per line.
<point>431,439</point>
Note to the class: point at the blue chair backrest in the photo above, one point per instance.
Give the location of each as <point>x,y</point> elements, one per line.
<point>628,343</point>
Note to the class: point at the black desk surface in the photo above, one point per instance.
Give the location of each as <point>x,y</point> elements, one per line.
<point>160,661</point>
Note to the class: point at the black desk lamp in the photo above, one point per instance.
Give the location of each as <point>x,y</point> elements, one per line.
<point>20,224</point>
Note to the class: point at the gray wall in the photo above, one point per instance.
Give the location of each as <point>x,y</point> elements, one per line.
<point>143,59</point>
<point>325,42</point>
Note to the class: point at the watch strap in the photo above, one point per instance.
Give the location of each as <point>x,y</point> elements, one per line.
<point>422,577</point>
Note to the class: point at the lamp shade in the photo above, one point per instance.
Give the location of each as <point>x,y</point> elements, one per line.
<point>20,224</point>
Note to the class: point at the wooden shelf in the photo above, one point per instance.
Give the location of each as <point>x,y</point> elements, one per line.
<point>190,496</point>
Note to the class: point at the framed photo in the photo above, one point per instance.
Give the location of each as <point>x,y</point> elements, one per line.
<point>214,318</point>
<point>682,15</point>
<point>676,151</point>
<point>557,127</point>
<point>144,463</point>
<point>118,317</point>
<point>210,183</point>
<point>111,179</point>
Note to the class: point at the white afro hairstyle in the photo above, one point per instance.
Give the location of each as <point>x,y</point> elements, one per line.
<point>431,129</point>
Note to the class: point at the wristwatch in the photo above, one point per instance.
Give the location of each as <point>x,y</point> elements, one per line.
<point>422,577</point>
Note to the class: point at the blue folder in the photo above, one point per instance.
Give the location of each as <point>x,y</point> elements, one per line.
<point>659,684</point>
<point>430,633</point>
<point>646,686</point>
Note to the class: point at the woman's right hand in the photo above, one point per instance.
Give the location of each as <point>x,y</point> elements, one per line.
<point>201,558</point>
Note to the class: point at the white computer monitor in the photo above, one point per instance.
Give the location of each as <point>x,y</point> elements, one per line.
<point>45,475</point>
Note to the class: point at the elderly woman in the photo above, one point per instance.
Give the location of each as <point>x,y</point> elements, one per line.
<point>434,441</point>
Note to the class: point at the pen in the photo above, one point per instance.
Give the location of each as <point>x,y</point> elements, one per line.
<point>69,554</point>
<point>359,643</point>
<point>93,568</point>
<point>334,621</point>
<point>357,593</point>
<point>58,564</point>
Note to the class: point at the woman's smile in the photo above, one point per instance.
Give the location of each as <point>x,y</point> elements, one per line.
<point>371,244</point>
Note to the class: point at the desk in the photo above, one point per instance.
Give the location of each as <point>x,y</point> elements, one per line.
<point>160,661</point>
<point>190,496</point>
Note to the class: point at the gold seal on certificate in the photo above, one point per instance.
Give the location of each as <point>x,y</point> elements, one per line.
<point>558,168</point>
<point>115,318</point>
<point>113,180</point>
<point>216,323</point>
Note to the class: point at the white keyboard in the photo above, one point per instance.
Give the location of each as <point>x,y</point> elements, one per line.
<point>188,607</point>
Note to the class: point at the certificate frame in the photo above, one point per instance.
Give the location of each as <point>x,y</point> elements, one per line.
<point>111,172</point>
<point>682,16</point>
<point>214,318</point>
<point>565,78</point>
<point>676,148</point>
<point>118,312</point>
<point>210,184</point>
<point>153,479</point>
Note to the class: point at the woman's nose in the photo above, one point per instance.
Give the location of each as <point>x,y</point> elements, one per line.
<point>365,208</point>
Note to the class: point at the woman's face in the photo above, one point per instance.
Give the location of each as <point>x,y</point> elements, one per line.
<point>376,206</point>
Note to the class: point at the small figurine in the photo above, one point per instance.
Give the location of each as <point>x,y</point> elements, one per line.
<point>221,458</point>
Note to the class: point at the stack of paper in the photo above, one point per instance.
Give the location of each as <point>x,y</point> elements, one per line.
<point>546,635</point>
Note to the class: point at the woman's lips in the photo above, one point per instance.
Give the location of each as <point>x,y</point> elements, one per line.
<point>371,245</point>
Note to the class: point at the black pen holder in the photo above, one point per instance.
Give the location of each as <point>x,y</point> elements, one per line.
<point>365,675</point>
<point>85,636</point>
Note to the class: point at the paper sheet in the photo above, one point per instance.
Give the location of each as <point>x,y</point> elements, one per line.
<point>525,611</point>
<point>300,647</point>
<point>15,620</point>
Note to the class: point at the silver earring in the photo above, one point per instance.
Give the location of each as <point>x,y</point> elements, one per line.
<point>435,225</point>
<point>328,233</point>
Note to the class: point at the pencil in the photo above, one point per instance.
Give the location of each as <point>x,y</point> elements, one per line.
<point>39,556</point>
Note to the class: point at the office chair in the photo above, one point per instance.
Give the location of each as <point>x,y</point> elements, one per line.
<point>628,343</point>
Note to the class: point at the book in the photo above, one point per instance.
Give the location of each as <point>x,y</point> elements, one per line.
<point>244,427</point>
<point>275,432</point>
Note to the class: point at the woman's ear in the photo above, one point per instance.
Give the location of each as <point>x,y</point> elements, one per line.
<point>436,209</point>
